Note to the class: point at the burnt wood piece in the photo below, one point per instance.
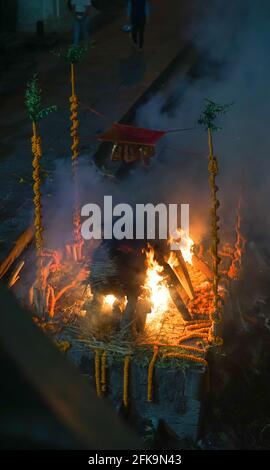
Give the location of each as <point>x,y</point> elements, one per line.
<point>129,314</point>
<point>173,282</point>
<point>20,245</point>
<point>143,307</point>
<point>183,275</point>
<point>202,266</point>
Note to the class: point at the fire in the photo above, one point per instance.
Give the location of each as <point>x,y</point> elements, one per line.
<point>155,289</point>
<point>109,300</point>
<point>184,243</point>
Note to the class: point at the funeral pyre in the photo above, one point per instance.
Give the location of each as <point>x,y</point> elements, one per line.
<point>125,294</point>
<point>134,293</point>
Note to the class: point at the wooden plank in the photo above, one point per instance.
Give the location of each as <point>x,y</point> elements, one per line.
<point>173,281</point>
<point>183,275</point>
<point>202,266</point>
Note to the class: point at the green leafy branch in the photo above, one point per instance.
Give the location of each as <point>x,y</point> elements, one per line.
<point>72,55</point>
<point>211,112</point>
<point>33,101</point>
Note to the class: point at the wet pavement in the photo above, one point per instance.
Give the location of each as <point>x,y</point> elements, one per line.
<point>111,79</point>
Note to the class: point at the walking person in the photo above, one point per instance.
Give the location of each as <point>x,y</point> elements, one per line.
<point>138,14</point>
<point>81,9</point>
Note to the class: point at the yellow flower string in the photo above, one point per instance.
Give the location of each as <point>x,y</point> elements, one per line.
<point>193,335</point>
<point>75,155</point>
<point>190,357</point>
<point>150,375</point>
<point>37,153</point>
<point>74,119</point>
<point>126,380</point>
<point>103,371</point>
<point>193,348</point>
<point>213,171</point>
<point>97,372</point>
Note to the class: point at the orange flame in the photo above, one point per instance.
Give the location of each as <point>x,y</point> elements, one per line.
<point>239,247</point>
<point>109,300</point>
<point>183,242</point>
<point>155,286</point>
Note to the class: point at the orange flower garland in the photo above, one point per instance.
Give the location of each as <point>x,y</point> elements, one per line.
<point>126,380</point>
<point>103,371</point>
<point>150,375</point>
<point>97,372</point>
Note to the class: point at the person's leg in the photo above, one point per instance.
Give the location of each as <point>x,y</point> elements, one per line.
<point>141,32</point>
<point>86,28</point>
<point>135,28</point>
<point>77,31</point>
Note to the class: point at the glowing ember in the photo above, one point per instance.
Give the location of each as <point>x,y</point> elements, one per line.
<point>184,243</point>
<point>109,300</point>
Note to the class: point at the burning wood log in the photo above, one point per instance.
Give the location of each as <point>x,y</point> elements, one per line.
<point>20,245</point>
<point>173,283</point>
<point>181,272</point>
<point>202,266</point>
<point>16,274</point>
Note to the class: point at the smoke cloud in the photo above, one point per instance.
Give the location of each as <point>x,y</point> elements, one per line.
<point>231,40</point>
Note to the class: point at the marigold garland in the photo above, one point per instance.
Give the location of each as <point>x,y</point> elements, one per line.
<point>74,132</point>
<point>197,326</point>
<point>193,349</point>
<point>213,170</point>
<point>36,112</point>
<point>207,119</point>
<point>73,56</point>
<point>197,322</point>
<point>150,375</point>
<point>74,119</point>
<point>192,335</point>
<point>126,380</point>
<point>190,357</point>
<point>37,153</point>
<point>203,329</point>
<point>103,371</point>
<point>97,372</point>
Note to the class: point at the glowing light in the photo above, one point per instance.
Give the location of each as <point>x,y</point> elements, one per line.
<point>109,300</point>
<point>185,244</point>
<point>155,289</point>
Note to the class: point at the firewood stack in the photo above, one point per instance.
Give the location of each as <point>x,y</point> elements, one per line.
<point>120,270</point>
